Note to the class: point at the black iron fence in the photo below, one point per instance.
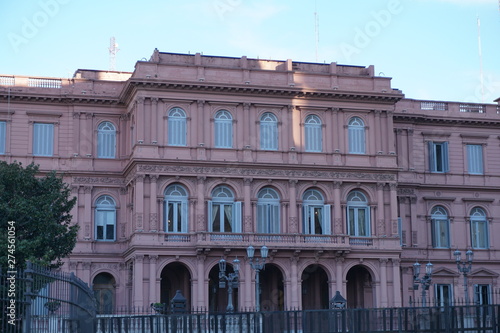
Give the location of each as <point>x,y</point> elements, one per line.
<point>38,300</point>
<point>448,319</point>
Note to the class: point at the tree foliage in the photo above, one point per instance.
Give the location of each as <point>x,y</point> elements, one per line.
<point>38,207</point>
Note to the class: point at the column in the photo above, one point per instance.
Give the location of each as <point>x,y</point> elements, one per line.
<point>394,208</point>
<point>87,233</point>
<point>402,153</point>
<point>380,210</point>
<point>247,206</point>
<point>337,209</point>
<point>396,282</point>
<point>154,296</point>
<point>139,119</point>
<point>200,293</point>
<point>293,221</point>
<point>154,121</point>
<point>295,289</point>
<point>383,282</point>
<point>411,164</point>
<point>249,287</point>
<point>138,280</point>
<point>139,203</point>
<point>200,205</point>
<point>339,280</point>
<point>246,125</point>
<point>328,128</point>
<point>337,130</point>
<point>202,122</point>
<point>385,138</point>
<point>252,123</point>
<point>153,206</point>
<point>390,126</point>
<point>377,128</point>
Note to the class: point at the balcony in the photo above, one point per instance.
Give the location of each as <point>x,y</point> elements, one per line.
<point>284,241</point>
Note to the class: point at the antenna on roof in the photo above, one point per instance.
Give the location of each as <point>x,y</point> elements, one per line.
<point>113,49</point>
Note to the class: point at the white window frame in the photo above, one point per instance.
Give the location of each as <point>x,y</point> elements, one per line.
<point>3,137</point>
<point>482,294</point>
<point>106,140</point>
<point>176,201</point>
<point>440,223</point>
<point>475,162</point>
<point>107,205</point>
<point>313,130</point>
<point>438,157</point>
<point>440,290</point>
<point>268,131</point>
<point>357,204</point>
<point>43,139</point>
<point>314,205</point>
<point>356,136</point>
<point>268,211</point>
<point>223,201</point>
<point>177,127</point>
<point>223,129</point>
<point>479,226</point>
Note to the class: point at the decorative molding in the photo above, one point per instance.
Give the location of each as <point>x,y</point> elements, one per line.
<point>98,180</point>
<point>240,172</point>
<point>406,191</point>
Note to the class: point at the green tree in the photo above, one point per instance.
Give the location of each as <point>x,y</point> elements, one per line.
<point>35,212</point>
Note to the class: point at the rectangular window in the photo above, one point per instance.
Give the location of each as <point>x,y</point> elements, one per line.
<point>440,233</point>
<point>438,157</point>
<point>479,233</point>
<point>475,159</point>
<point>105,224</point>
<point>3,136</point>
<point>482,294</point>
<point>43,139</point>
<point>443,294</point>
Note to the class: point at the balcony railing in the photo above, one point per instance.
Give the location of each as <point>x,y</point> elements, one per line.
<point>7,81</point>
<point>44,83</point>
<point>280,240</point>
<point>477,108</point>
<point>429,105</point>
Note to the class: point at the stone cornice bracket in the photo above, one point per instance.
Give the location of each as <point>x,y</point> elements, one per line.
<point>248,181</point>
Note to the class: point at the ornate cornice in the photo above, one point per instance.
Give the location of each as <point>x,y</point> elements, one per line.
<point>98,180</point>
<point>263,172</point>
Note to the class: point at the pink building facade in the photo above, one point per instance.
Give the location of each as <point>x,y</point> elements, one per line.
<point>192,158</point>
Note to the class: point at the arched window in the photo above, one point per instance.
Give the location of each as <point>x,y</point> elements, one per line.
<point>106,140</point>
<point>358,215</point>
<point>268,211</point>
<point>440,227</point>
<point>356,130</point>
<point>176,209</point>
<point>224,213</point>
<point>479,228</point>
<point>105,218</point>
<point>104,290</point>
<point>314,134</point>
<point>316,213</point>
<point>268,131</point>
<point>177,131</point>
<point>223,129</point>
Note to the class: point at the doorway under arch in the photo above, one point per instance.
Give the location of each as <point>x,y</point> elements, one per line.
<point>175,276</point>
<point>315,293</point>
<point>360,291</point>
<point>104,285</point>
<point>272,291</point>
<point>218,297</point>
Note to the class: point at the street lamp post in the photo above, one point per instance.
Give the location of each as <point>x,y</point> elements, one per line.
<point>257,264</point>
<point>464,267</point>
<point>425,280</point>
<point>232,281</point>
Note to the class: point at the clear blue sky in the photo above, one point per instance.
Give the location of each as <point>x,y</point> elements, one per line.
<point>428,47</point>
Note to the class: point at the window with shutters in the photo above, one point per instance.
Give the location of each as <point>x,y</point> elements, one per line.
<point>177,128</point>
<point>176,209</point>
<point>105,218</point>
<point>223,129</point>
<point>479,229</point>
<point>475,159</point>
<point>268,132</point>
<point>3,136</point>
<point>43,139</point>
<point>313,134</point>
<point>106,140</point>
<point>268,211</point>
<point>358,215</point>
<point>356,136</point>
<point>443,294</point>
<point>438,156</point>
<point>440,227</point>
<point>224,212</point>
<point>316,215</point>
